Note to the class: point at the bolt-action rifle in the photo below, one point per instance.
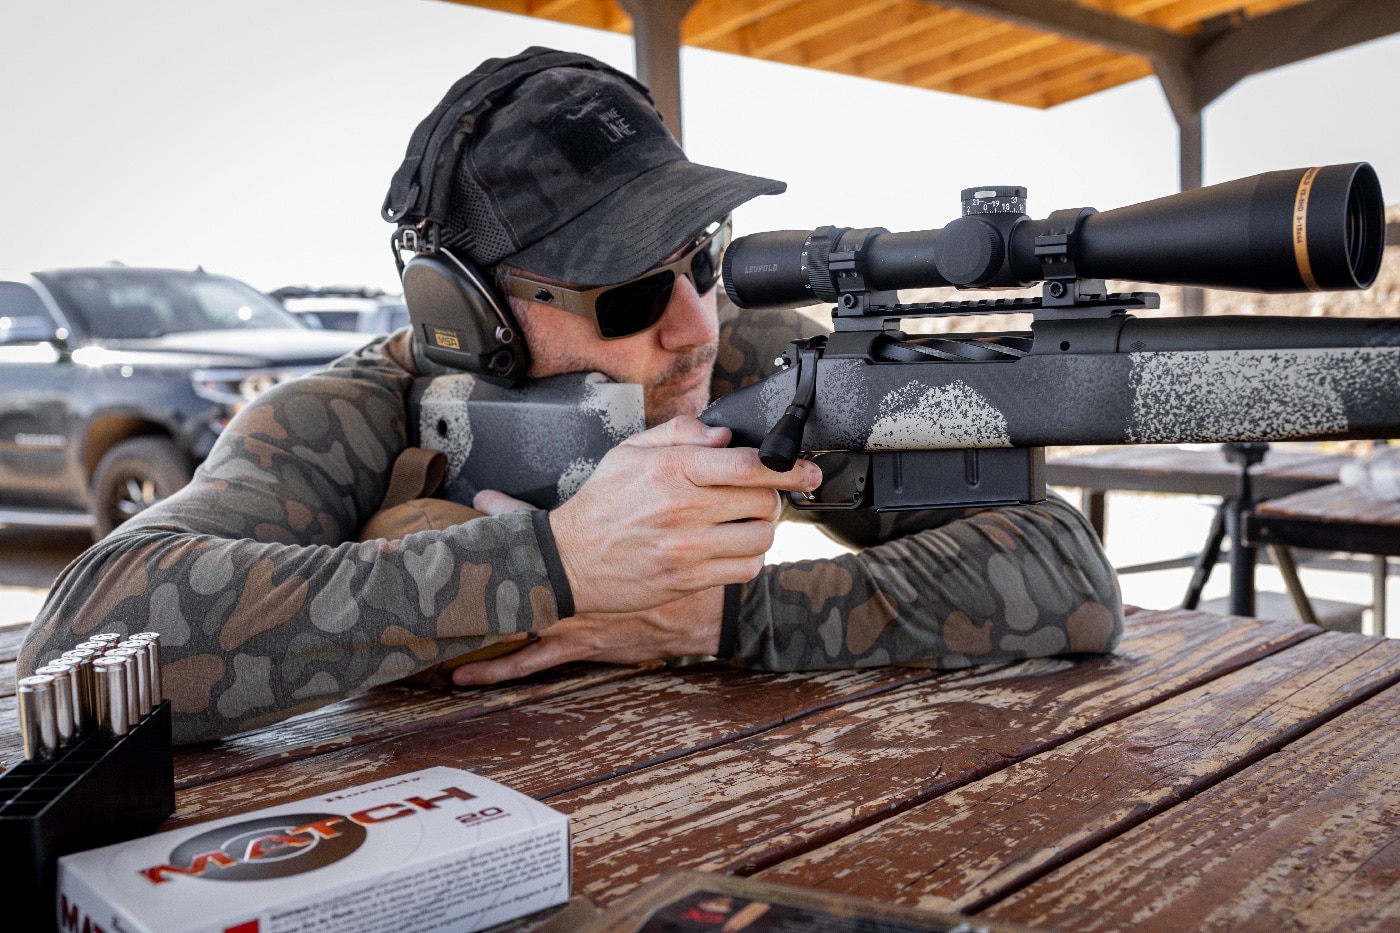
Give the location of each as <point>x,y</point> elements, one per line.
<point>904,421</point>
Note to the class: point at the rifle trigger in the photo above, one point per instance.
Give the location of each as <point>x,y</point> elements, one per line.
<point>783,444</point>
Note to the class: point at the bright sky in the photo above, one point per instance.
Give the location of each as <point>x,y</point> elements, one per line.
<point>257,137</point>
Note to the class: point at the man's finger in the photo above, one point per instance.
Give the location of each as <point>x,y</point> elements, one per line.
<point>739,505</point>
<point>545,653</point>
<point>740,466</point>
<point>494,502</point>
<point>735,539</point>
<point>680,432</point>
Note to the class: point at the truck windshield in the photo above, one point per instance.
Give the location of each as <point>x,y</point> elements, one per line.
<point>117,304</point>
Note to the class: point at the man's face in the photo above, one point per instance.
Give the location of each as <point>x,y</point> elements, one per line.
<point>672,361</point>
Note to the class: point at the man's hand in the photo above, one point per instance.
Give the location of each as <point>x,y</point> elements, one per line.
<point>670,512</point>
<point>688,626</point>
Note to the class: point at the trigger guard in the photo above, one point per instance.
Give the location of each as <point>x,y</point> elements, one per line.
<point>859,498</point>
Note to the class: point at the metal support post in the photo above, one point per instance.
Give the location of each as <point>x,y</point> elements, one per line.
<point>656,33</point>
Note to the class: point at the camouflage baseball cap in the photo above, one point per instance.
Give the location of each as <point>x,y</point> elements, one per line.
<point>563,168</point>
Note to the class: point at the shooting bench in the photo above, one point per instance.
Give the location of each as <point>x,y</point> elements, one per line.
<point>1240,480</point>
<point>1206,777</point>
<point>1328,518</point>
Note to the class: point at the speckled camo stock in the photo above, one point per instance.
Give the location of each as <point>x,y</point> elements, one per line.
<point>267,606</point>
<point>545,437</point>
<point>1119,381</point>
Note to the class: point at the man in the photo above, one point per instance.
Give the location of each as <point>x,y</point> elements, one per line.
<point>271,600</point>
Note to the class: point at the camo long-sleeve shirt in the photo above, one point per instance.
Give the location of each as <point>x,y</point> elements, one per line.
<point>268,606</point>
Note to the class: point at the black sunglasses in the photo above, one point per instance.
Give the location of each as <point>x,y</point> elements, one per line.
<point>628,308</point>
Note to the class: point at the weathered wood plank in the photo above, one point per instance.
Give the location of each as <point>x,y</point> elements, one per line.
<point>1196,472</point>
<point>11,748</point>
<point>11,637</point>
<point>1307,839</point>
<point>975,844</point>
<point>612,728</point>
<point>1335,517</point>
<point>374,715</point>
<point>1336,503</point>
<point>379,714</point>
<point>749,804</point>
<point>561,741</point>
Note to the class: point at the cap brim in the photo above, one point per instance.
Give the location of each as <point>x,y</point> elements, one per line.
<point>640,224</point>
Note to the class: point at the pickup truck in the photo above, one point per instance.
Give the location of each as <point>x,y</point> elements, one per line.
<point>116,381</point>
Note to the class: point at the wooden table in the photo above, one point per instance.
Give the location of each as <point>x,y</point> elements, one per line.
<point>1328,518</point>
<point>1214,774</point>
<point>1158,468</point>
<point>1170,469</point>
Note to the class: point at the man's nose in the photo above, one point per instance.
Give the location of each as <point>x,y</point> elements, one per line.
<point>689,320</point>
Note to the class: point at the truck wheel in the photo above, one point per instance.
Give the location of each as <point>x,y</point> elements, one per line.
<point>133,476</point>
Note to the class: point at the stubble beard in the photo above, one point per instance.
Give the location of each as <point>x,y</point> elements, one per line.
<point>662,402</point>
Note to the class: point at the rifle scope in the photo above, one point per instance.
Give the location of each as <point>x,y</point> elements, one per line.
<point>1315,229</point>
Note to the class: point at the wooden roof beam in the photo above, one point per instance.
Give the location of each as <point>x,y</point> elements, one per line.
<point>1196,70</point>
<point>872,32</point>
<point>518,7</point>
<point>1116,72</point>
<point>1290,35</point>
<point>1012,78</point>
<point>894,61</point>
<point>782,31</point>
<point>1186,16</point>
<point>550,9</point>
<point>712,20</point>
<point>1091,67</point>
<point>1084,24</point>
<point>975,58</point>
<point>595,14</point>
<point>906,21</point>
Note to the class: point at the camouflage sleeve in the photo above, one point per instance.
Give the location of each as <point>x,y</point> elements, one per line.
<point>984,586</point>
<point>943,587</point>
<point>750,340</point>
<point>266,604</point>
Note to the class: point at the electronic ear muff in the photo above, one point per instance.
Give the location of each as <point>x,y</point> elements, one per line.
<point>460,320</point>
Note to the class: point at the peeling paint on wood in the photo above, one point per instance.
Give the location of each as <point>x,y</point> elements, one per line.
<point>793,788</point>
<point>1306,839</point>
<point>1216,773</point>
<point>1015,825</point>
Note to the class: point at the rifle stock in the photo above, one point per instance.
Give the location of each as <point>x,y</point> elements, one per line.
<point>1091,382</point>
